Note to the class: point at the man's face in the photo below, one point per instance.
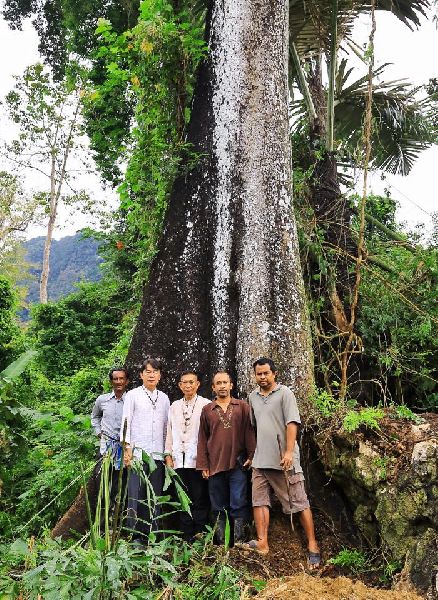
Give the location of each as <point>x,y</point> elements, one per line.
<point>222,385</point>
<point>119,381</point>
<point>189,385</point>
<point>265,377</point>
<point>150,377</point>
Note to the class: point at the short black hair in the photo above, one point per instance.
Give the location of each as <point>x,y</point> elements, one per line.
<point>155,363</point>
<point>265,361</point>
<point>124,369</point>
<point>190,372</point>
<point>221,371</point>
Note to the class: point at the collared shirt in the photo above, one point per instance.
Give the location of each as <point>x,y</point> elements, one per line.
<point>182,431</point>
<point>270,415</point>
<point>146,414</point>
<point>106,417</point>
<point>219,446</point>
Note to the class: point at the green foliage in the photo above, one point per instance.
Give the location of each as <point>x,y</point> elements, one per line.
<point>127,572</point>
<point>137,115</point>
<point>11,339</point>
<point>78,329</point>
<point>398,322</point>
<point>403,412</point>
<point>325,402</point>
<point>110,566</point>
<point>56,439</point>
<point>365,417</point>
<point>354,560</point>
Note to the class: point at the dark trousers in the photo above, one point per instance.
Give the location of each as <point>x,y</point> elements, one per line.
<point>142,516</point>
<point>114,485</point>
<point>197,490</point>
<point>229,492</point>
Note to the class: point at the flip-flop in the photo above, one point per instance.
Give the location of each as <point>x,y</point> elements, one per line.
<point>251,545</point>
<point>313,560</point>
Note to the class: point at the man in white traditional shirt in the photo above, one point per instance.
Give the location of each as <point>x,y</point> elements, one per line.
<point>145,410</point>
<point>180,450</point>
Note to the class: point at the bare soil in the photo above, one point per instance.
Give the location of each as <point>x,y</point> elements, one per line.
<point>304,586</point>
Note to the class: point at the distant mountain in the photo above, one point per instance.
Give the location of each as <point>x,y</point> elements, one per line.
<point>72,259</point>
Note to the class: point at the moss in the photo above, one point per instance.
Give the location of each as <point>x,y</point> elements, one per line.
<point>364,519</point>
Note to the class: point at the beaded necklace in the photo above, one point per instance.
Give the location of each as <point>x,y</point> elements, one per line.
<point>152,400</point>
<point>186,416</point>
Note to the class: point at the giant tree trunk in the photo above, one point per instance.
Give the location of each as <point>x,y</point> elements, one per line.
<point>226,284</point>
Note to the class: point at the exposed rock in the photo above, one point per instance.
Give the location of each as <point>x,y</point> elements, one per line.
<point>390,479</point>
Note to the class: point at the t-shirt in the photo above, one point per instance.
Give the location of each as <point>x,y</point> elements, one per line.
<point>270,415</point>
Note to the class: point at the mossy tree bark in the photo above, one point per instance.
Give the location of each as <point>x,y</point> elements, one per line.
<point>226,284</point>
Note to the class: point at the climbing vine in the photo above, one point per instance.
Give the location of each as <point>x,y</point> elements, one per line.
<point>138,114</point>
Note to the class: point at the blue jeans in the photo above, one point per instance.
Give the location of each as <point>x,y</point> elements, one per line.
<point>229,492</point>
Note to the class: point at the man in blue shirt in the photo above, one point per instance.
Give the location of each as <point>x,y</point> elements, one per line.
<point>106,418</point>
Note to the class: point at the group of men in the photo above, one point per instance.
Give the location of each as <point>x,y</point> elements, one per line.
<point>212,445</point>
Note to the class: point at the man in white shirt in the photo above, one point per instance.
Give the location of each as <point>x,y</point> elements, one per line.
<point>145,411</point>
<point>180,450</point>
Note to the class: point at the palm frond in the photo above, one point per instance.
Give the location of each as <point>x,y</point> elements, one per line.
<point>309,20</point>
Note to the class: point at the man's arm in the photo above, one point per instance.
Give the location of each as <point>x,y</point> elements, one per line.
<point>202,463</point>
<point>128,409</point>
<point>291,437</point>
<point>96,416</point>
<point>250,440</point>
<point>169,442</point>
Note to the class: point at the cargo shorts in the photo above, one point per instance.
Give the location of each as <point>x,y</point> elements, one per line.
<point>293,500</point>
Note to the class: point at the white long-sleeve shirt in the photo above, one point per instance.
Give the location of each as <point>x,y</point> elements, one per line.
<point>146,421</point>
<point>182,440</point>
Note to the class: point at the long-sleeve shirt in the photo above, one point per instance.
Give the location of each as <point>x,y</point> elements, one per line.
<point>106,418</point>
<point>182,431</point>
<point>218,445</point>
<point>146,413</point>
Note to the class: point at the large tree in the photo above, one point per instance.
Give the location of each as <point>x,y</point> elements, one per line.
<point>226,284</point>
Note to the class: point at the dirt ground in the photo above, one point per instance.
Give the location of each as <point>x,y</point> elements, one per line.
<point>307,587</point>
<point>285,567</point>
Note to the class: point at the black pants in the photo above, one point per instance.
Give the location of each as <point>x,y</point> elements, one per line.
<point>197,491</point>
<point>141,519</point>
<point>114,484</point>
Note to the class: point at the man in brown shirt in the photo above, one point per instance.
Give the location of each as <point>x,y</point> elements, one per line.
<point>226,445</point>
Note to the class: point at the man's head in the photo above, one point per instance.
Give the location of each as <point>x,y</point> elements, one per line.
<point>150,372</point>
<point>189,383</point>
<point>222,385</point>
<point>119,378</point>
<point>265,373</point>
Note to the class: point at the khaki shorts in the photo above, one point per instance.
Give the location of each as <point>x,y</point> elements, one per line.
<point>265,480</point>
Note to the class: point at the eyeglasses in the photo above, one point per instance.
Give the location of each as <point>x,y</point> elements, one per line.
<point>153,372</point>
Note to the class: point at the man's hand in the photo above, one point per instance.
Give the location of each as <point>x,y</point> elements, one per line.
<point>127,457</point>
<point>206,473</point>
<point>286,461</point>
<point>169,461</point>
<point>247,463</point>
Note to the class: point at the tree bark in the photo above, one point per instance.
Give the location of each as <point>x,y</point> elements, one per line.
<point>53,210</point>
<point>226,285</point>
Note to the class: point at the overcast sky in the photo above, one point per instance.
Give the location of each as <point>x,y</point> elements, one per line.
<point>413,54</point>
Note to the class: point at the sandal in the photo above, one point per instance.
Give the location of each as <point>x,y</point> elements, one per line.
<point>252,545</point>
<point>313,560</point>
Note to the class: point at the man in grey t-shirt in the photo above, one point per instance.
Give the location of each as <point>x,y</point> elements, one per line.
<point>275,416</point>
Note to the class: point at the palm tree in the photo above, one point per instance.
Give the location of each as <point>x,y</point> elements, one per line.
<point>401,130</point>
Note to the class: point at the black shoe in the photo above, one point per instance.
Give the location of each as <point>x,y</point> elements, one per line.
<point>220,532</point>
<point>239,530</point>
